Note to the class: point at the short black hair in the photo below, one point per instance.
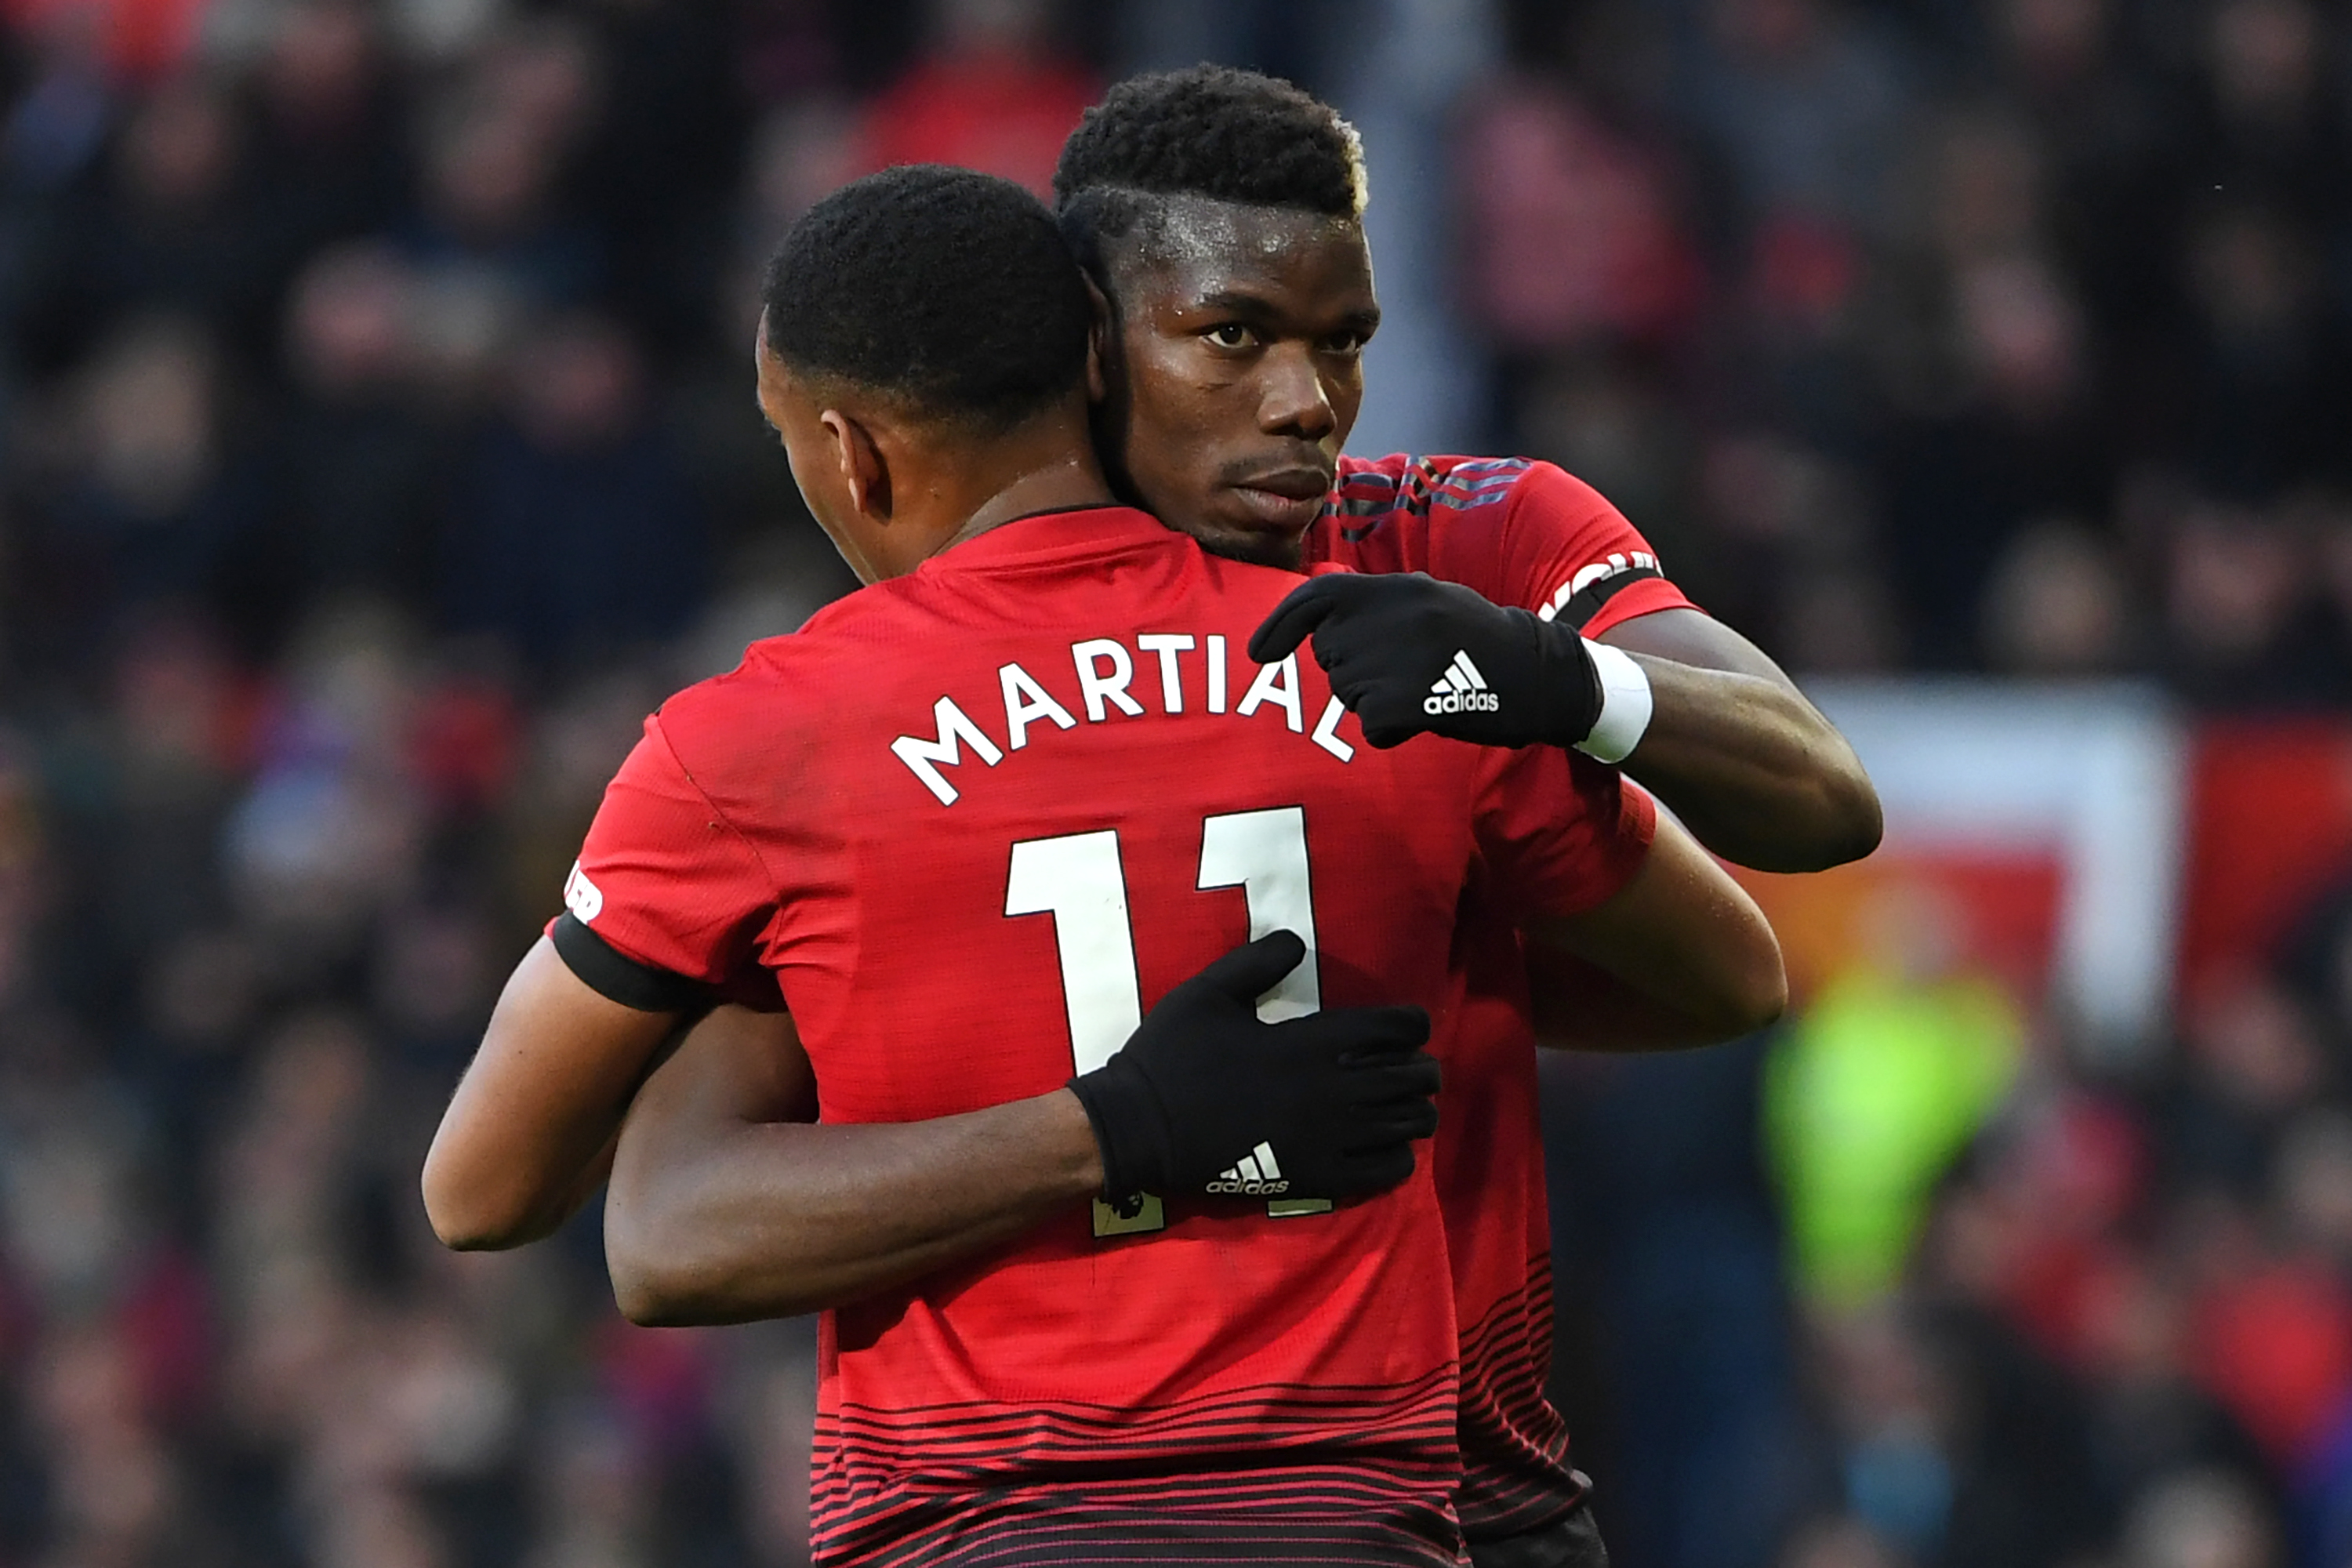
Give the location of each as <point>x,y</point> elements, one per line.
<point>950,291</point>
<point>1210,130</point>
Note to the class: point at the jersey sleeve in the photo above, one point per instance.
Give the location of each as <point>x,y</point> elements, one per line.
<point>1561,832</point>
<point>665,881</point>
<point>1569,555</point>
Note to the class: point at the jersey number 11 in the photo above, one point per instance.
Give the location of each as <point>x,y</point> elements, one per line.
<point>1078,880</point>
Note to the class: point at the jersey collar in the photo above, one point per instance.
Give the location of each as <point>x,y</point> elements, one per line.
<point>1051,535</point>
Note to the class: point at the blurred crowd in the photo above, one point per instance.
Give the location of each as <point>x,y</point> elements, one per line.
<point>1945,334</point>
<point>1906,1286</point>
<point>377,447</point>
<point>2004,336</point>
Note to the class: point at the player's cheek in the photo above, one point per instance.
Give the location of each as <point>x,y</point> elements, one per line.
<point>1343,388</point>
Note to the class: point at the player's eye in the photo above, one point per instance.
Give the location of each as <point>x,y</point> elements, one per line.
<point>1347,343</point>
<point>1230,335</point>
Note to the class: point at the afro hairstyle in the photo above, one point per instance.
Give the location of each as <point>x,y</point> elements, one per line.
<point>949,292</point>
<point>1210,130</point>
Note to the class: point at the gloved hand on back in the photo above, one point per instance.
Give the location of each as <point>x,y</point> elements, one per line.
<point>1337,1097</point>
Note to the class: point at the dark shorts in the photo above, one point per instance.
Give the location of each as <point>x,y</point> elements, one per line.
<point>1574,1542</point>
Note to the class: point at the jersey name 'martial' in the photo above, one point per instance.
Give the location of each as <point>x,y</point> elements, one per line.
<point>1191,669</point>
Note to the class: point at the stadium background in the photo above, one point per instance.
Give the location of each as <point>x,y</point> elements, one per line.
<point>377,444</point>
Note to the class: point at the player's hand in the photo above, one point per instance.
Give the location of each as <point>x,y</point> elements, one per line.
<point>1411,656</point>
<point>1335,1098</point>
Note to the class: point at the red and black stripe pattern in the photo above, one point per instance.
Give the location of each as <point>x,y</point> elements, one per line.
<point>1516,1474</point>
<point>1258,1475</point>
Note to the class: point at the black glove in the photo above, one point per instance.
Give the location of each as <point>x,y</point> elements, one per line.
<point>1338,1097</point>
<point>1410,656</point>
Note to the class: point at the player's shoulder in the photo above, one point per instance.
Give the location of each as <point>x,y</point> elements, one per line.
<point>1432,491</point>
<point>777,679</point>
<point>737,735</point>
<point>1370,489</point>
<point>834,643</point>
<point>1519,530</point>
<point>719,705</point>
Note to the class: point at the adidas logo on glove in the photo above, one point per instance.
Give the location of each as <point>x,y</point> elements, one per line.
<point>1461,689</point>
<point>1256,1174</point>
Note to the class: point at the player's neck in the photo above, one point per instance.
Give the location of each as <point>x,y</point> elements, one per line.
<point>1051,468</point>
<point>1077,482</point>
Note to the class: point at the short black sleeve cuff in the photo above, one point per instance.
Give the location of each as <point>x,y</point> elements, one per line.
<point>617,977</point>
<point>1579,610</point>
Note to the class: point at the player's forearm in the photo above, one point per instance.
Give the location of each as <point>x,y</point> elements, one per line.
<point>767,1220</point>
<point>1754,770</point>
<point>1694,711</point>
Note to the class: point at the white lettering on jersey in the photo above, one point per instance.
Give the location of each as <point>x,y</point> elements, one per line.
<point>1025,702</point>
<point>583,897</point>
<point>1277,684</point>
<point>1172,686</point>
<point>1096,687</point>
<point>1596,572</point>
<point>1105,669</point>
<point>1327,730</point>
<point>927,757</point>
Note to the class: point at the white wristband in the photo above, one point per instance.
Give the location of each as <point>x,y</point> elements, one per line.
<point>1624,705</point>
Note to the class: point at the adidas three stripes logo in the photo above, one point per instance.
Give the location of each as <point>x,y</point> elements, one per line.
<point>1461,689</point>
<point>1257,1172</point>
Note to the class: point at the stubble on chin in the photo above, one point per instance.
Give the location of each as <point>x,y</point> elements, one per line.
<point>1285,553</point>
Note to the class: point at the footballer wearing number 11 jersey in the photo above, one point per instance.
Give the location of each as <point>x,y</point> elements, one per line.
<point>1039,768</point>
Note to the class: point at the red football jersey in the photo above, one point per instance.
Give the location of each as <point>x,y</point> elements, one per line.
<point>975,820</point>
<point>1528,534</point>
<point>1520,531</point>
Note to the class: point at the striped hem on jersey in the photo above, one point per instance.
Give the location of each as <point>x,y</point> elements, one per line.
<point>1248,1476</point>
<point>1515,1450</point>
<point>1304,1515</point>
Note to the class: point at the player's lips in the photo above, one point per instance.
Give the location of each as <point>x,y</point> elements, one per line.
<point>1285,499</point>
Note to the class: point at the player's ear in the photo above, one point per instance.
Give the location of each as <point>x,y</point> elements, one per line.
<point>865,473</point>
<point>1101,342</point>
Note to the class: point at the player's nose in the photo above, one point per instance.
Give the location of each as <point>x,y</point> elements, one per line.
<point>1293,400</point>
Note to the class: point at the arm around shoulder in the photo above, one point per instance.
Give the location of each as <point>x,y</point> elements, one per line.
<point>1737,751</point>
<point>1752,767</point>
<point>728,1205</point>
